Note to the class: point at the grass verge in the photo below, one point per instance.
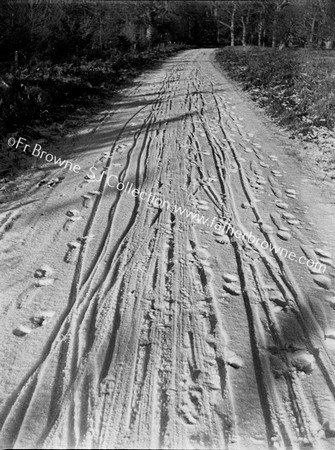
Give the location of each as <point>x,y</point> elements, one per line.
<point>297,88</point>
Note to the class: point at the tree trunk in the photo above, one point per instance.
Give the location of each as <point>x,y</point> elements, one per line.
<point>280,4</point>
<point>260,26</point>
<point>244,32</point>
<point>264,32</point>
<point>149,33</point>
<point>259,32</point>
<point>274,26</point>
<point>311,36</point>
<point>216,24</point>
<point>232,26</point>
<point>247,25</point>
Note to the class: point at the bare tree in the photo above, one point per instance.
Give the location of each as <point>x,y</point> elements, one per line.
<point>232,12</point>
<point>260,24</point>
<point>279,5</point>
<point>245,19</point>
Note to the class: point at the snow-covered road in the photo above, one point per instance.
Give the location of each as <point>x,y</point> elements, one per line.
<point>126,325</point>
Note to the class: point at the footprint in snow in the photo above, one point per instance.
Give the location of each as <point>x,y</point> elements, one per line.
<point>231,284</point>
<point>284,235</point>
<point>43,276</point>
<point>281,205</point>
<point>267,228</point>
<point>331,301</point>
<point>203,207</point>
<point>276,297</point>
<point>54,181</point>
<point>314,271</point>
<point>276,173</point>
<point>233,360</point>
<point>291,196</point>
<point>324,256</point>
<point>203,253</point>
<point>22,330</point>
<point>221,237</point>
<point>323,252</point>
<point>254,167</point>
<point>275,217</point>
<point>278,193</point>
<point>69,223</point>
<point>293,222</point>
<point>232,288</point>
<point>37,321</point>
<point>42,318</point>
<point>322,281</point>
<point>273,182</point>
<point>87,201</point>
<point>327,261</point>
<point>44,282</point>
<point>72,251</point>
<point>260,180</point>
<point>95,193</point>
<point>44,271</point>
<point>74,216</point>
<point>230,278</point>
<point>105,155</point>
<point>287,215</point>
<point>73,213</point>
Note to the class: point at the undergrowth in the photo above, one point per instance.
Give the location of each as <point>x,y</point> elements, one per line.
<point>297,86</point>
<point>44,94</point>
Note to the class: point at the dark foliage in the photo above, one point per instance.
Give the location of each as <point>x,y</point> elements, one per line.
<point>295,85</point>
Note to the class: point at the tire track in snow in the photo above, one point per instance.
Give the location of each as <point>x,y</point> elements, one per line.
<point>143,355</point>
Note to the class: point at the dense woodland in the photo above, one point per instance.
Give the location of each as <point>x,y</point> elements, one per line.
<point>59,29</point>
<point>60,57</point>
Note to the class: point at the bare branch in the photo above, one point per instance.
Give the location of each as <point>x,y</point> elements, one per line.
<point>225,24</point>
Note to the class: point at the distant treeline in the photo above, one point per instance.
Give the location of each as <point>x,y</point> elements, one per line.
<point>57,30</point>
